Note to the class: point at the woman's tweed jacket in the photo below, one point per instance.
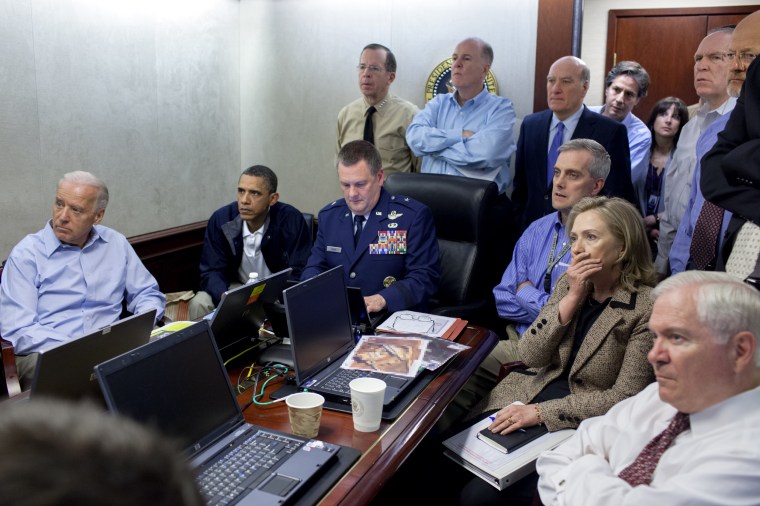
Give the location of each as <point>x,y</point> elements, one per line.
<point>611,363</point>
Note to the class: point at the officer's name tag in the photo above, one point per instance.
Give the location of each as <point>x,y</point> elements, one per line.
<point>389,242</point>
<point>334,249</point>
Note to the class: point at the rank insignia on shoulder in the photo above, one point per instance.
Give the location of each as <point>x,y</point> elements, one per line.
<point>388,281</point>
<point>394,215</point>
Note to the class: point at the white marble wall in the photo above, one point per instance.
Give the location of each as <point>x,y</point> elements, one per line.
<point>145,94</point>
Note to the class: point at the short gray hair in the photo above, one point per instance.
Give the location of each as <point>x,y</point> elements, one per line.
<point>725,305</point>
<point>85,178</point>
<point>599,168</point>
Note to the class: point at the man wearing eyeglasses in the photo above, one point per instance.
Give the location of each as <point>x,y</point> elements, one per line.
<point>711,68</point>
<point>745,43</point>
<point>378,117</point>
<point>731,175</point>
<point>257,233</point>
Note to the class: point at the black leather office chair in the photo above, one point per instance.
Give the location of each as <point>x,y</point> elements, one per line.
<point>474,236</point>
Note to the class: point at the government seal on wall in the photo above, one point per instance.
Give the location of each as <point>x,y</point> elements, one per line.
<point>440,81</point>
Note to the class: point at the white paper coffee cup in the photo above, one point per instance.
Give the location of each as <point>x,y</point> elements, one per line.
<point>367,403</point>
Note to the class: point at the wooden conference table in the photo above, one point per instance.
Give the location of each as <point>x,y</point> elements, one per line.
<point>385,450</point>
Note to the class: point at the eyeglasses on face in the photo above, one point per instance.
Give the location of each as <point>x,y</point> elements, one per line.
<point>372,69</point>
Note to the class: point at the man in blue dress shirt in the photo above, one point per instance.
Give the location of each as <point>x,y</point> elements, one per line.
<point>467,132</point>
<point>385,243</point>
<point>542,254</point>
<point>71,277</point>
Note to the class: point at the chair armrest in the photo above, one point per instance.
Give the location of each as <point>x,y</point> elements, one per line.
<point>509,367</point>
<point>9,368</point>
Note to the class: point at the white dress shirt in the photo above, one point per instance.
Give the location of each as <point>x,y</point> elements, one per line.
<point>716,462</point>
<point>253,259</point>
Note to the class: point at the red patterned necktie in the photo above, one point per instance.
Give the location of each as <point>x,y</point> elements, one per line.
<point>704,240</point>
<point>641,470</point>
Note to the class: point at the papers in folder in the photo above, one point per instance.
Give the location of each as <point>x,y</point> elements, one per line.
<point>423,324</point>
<point>497,468</point>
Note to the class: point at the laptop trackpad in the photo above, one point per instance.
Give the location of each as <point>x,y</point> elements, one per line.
<point>280,485</point>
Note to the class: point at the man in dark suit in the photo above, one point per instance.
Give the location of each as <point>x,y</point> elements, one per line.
<point>385,243</point>
<point>566,87</point>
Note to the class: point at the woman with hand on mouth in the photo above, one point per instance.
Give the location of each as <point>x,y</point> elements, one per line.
<point>587,349</point>
<point>666,120</point>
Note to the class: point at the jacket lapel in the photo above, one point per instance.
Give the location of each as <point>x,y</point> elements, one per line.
<point>604,324</point>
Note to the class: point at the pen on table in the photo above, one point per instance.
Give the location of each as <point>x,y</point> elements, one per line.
<point>493,419</point>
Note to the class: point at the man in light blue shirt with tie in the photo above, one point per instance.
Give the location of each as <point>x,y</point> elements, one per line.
<point>71,277</point>
<point>467,132</point>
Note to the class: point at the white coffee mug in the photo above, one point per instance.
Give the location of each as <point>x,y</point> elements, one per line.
<point>367,403</point>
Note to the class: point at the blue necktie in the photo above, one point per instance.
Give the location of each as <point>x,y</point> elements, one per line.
<point>556,143</point>
<point>358,220</point>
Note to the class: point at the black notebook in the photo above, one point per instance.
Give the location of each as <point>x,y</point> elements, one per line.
<point>514,440</point>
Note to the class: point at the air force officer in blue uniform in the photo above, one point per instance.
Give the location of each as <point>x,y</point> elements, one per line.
<point>394,256</point>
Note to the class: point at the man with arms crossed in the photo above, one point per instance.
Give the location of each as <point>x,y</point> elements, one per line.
<point>385,243</point>
<point>467,132</point>
<point>71,277</point>
<point>379,117</point>
<point>691,438</point>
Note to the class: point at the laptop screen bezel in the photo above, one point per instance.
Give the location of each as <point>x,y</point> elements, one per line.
<point>228,421</point>
<point>312,289</point>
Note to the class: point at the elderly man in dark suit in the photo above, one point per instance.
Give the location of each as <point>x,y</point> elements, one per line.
<point>566,87</point>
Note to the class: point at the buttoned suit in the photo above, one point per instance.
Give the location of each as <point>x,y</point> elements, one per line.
<point>406,280</point>
<point>610,366</point>
<point>531,194</point>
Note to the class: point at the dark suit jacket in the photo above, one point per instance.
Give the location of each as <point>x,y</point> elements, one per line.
<point>731,169</point>
<point>611,364</point>
<point>414,273</point>
<point>531,195</point>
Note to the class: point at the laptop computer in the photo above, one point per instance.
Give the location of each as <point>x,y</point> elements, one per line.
<point>240,313</point>
<point>179,385</point>
<point>362,320</point>
<point>321,336</point>
<point>66,370</point>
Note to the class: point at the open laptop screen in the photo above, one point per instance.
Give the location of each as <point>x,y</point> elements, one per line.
<point>319,322</point>
<point>176,384</point>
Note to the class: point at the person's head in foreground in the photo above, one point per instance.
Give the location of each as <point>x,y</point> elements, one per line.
<point>60,453</point>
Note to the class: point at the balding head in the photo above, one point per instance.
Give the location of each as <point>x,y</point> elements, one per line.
<point>566,86</point>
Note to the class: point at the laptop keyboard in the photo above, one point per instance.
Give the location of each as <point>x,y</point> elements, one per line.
<point>338,382</point>
<point>245,467</point>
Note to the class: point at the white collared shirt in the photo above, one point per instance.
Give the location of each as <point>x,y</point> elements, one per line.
<point>253,259</point>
